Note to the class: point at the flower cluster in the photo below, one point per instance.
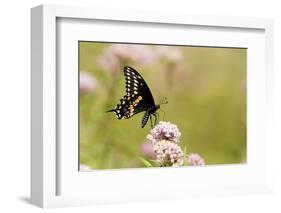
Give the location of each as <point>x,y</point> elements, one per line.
<point>164,138</point>
<point>168,153</point>
<point>163,147</point>
<point>84,168</point>
<point>87,82</point>
<point>164,131</point>
<point>172,54</point>
<point>116,54</point>
<point>195,160</point>
<point>147,150</point>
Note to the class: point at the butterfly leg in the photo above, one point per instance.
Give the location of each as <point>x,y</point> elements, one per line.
<point>151,124</point>
<point>158,116</point>
<point>155,118</point>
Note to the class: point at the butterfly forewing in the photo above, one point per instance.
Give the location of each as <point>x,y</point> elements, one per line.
<point>135,85</point>
<point>138,97</point>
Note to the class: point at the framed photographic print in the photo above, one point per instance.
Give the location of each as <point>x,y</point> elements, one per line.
<point>130,106</point>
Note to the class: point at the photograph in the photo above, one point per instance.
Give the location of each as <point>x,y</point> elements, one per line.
<point>161,105</point>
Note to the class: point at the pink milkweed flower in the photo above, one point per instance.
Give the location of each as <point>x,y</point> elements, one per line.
<point>84,168</point>
<point>147,150</point>
<point>195,160</point>
<point>164,131</point>
<point>168,153</point>
<point>141,54</point>
<point>87,82</point>
<point>113,56</point>
<point>172,54</point>
<point>109,62</point>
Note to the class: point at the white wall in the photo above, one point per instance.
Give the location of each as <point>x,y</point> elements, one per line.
<point>15,98</point>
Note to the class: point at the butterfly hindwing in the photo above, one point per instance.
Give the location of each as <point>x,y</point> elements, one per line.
<point>128,106</point>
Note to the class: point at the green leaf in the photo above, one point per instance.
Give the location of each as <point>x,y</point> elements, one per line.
<point>146,162</point>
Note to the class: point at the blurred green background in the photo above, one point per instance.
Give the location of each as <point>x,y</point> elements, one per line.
<point>205,88</point>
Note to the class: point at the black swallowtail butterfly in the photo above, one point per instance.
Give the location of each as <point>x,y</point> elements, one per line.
<point>138,99</point>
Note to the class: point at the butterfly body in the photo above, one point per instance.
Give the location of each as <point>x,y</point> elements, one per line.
<point>148,113</point>
<point>138,98</point>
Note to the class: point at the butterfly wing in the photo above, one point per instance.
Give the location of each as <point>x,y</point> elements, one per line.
<point>127,107</point>
<point>138,97</point>
<point>136,86</point>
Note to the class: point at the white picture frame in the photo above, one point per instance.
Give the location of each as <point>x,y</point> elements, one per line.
<point>54,183</point>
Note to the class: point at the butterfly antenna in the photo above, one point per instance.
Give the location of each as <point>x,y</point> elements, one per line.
<point>112,110</point>
<point>165,101</point>
<point>151,124</point>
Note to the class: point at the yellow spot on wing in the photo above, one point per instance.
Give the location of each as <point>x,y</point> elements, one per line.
<point>135,103</point>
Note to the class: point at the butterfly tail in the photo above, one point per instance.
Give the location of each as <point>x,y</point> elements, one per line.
<point>111,110</point>
<point>117,113</point>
